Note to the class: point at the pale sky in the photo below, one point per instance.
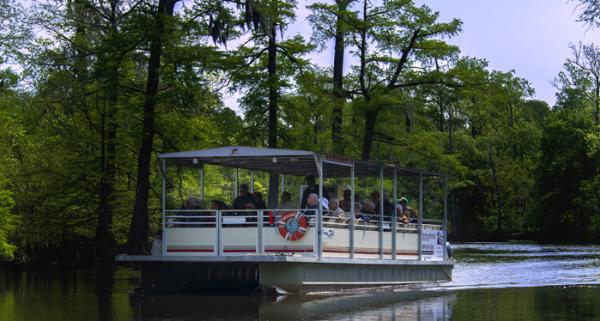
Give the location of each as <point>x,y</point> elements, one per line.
<point>529,36</point>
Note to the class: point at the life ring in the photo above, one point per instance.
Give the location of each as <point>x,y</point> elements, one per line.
<point>292,225</point>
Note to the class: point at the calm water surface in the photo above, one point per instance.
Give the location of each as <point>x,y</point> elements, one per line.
<point>491,282</point>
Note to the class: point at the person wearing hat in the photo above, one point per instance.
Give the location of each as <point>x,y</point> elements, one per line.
<point>407,210</point>
<point>311,188</point>
<point>402,217</point>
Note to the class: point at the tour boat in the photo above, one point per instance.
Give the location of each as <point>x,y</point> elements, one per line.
<point>293,250</point>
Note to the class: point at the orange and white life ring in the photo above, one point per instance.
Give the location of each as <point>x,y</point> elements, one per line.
<point>292,225</point>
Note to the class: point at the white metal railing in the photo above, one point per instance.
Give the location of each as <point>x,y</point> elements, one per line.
<point>225,233</point>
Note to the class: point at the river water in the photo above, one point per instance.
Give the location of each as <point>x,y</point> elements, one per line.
<point>491,282</point>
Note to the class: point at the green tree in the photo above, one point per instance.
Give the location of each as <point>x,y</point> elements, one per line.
<point>11,137</point>
<point>564,168</point>
<point>402,36</point>
<point>579,82</point>
<point>334,21</point>
<point>139,229</point>
<point>14,35</point>
<point>261,72</point>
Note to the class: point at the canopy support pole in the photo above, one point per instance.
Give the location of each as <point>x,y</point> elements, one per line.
<point>236,187</point>
<point>420,216</point>
<point>320,211</point>
<point>201,170</point>
<point>352,216</point>
<point>445,227</point>
<point>251,181</point>
<point>381,251</point>
<point>282,183</point>
<point>164,206</point>
<point>394,223</point>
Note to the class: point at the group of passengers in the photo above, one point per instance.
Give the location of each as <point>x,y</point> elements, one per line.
<point>334,209</point>
<point>369,209</point>
<point>339,210</point>
<point>248,201</point>
<point>244,201</point>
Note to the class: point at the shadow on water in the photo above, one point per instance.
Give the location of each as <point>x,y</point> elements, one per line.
<point>383,306</point>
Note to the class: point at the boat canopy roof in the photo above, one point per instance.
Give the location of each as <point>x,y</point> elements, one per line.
<point>284,161</point>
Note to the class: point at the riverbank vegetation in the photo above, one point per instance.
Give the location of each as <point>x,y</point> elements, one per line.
<point>91,91</point>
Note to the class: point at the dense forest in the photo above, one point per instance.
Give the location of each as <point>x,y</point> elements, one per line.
<point>92,91</point>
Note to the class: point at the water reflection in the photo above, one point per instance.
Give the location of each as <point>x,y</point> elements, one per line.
<point>65,294</point>
<point>382,306</point>
<point>491,282</point>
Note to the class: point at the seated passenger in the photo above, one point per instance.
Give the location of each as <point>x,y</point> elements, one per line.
<point>411,213</point>
<point>358,199</point>
<point>346,202</point>
<point>334,206</point>
<point>402,217</point>
<point>336,214</point>
<point>312,205</point>
<point>245,200</point>
<point>286,201</point>
<point>260,203</point>
<point>366,212</point>
<point>311,188</point>
<point>215,205</point>
<point>375,197</point>
<point>369,207</point>
<point>388,207</point>
<point>218,205</point>
<point>192,203</point>
<point>358,207</point>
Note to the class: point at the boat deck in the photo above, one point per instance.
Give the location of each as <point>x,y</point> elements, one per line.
<point>273,259</point>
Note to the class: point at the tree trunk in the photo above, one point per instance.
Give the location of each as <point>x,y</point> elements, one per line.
<point>441,119</point>
<point>370,120</point>
<point>81,62</point>
<point>273,108</point>
<point>597,102</point>
<point>338,78</point>
<point>511,125</point>
<point>104,239</point>
<point>496,195</point>
<point>370,115</point>
<point>450,130</point>
<point>363,54</point>
<point>408,118</point>
<point>273,87</point>
<point>139,228</point>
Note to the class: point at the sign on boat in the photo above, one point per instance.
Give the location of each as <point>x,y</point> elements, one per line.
<point>296,250</point>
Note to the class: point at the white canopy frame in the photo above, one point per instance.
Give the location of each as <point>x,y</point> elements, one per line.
<point>303,163</point>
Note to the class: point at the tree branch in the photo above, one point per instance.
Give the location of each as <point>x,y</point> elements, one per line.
<point>405,53</point>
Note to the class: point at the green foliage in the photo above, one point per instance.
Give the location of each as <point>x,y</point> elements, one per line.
<point>11,136</point>
<point>8,222</point>
<point>516,167</point>
<point>567,177</point>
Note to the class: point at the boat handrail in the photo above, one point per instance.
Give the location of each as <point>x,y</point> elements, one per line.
<point>188,210</point>
<point>217,223</point>
<point>254,213</point>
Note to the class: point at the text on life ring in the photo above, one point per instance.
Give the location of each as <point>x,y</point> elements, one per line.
<point>292,226</point>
